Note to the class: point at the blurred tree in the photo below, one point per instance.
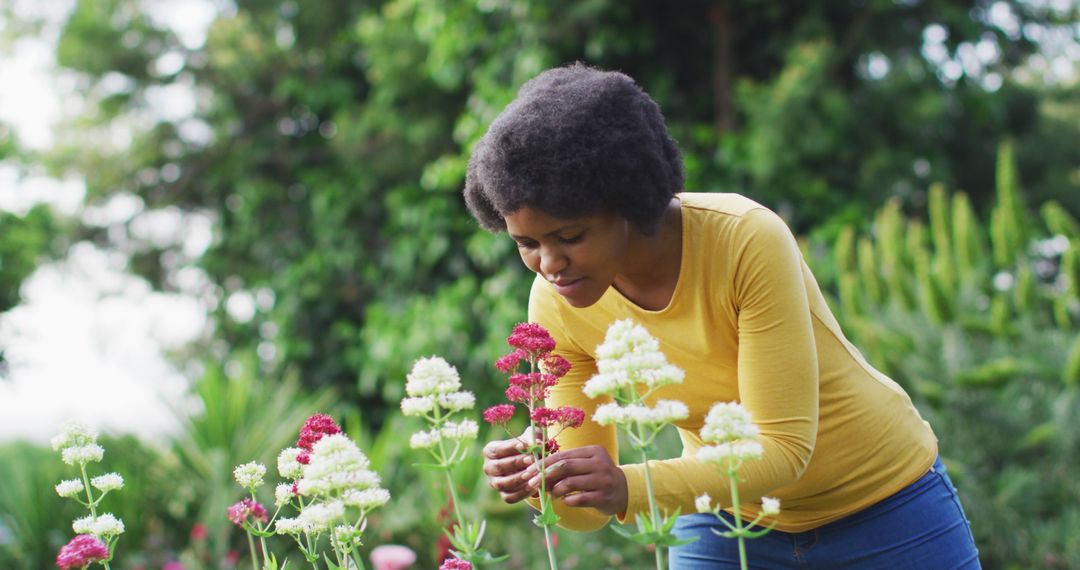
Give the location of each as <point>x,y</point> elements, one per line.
<point>329,139</point>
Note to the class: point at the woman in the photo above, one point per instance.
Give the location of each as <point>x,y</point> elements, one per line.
<point>580,171</point>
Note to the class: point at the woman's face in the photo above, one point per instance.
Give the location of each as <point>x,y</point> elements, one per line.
<point>580,257</point>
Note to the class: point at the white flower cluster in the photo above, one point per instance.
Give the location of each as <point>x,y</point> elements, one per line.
<point>432,376</point>
<point>454,431</point>
<point>287,465</point>
<point>77,445</point>
<point>69,488</point>
<point>249,475</point>
<point>336,465</point>
<point>282,494</point>
<point>665,412</point>
<point>629,356</point>
<point>108,482</point>
<point>105,525</point>
<point>730,427</point>
<point>433,385</point>
<point>315,518</point>
<point>770,506</point>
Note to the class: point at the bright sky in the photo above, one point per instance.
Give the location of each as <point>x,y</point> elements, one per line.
<point>89,340</point>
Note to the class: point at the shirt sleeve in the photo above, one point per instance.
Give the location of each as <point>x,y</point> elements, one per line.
<point>544,309</point>
<point>777,376</point>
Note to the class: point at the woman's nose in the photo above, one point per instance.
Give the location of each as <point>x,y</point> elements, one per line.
<point>552,261</point>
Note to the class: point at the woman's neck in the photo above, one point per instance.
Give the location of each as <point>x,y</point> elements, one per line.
<point>652,269</point>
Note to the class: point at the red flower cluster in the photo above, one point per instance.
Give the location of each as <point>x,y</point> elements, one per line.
<point>565,417</point>
<point>82,551</point>
<point>455,564</point>
<point>533,344</point>
<point>500,414</point>
<point>239,512</point>
<point>532,338</point>
<point>314,429</point>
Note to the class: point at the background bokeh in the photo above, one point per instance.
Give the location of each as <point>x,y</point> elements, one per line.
<point>218,217</point>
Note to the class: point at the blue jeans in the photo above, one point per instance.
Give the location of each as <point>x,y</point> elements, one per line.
<point>921,527</point>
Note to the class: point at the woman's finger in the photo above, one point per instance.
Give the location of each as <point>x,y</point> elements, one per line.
<point>507,466</point>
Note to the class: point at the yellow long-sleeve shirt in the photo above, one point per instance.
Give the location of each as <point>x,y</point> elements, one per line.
<point>747,322</point>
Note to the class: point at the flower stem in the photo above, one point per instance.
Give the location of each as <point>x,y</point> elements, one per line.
<point>550,548</point>
<point>738,517</point>
<point>653,511</point>
<point>89,492</point>
<point>251,545</point>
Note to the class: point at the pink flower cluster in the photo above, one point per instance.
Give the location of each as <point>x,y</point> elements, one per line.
<point>533,344</point>
<point>247,508</point>
<point>81,551</point>
<point>455,564</point>
<point>315,428</point>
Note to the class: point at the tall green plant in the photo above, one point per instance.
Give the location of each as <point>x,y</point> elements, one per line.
<point>243,417</point>
<point>985,340</point>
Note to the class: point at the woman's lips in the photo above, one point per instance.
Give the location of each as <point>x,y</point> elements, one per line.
<point>567,287</point>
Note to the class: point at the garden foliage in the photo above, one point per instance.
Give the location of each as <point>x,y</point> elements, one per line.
<point>980,322</point>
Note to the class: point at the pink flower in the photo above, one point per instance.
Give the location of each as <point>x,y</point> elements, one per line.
<point>199,532</point>
<point>516,394</point>
<point>172,565</point>
<point>544,417</point>
<point>239,512</point>
<point>455,564</point>
<point>82,551</point>
<point>510,362</point>
<point>571,417</point>
<point>317,426</point>
<point>531,337</point>
<point>551,446</point>
<point>555,365</point>
<point>303,458</point>
<point>499,414</point>
<point>392,557</point>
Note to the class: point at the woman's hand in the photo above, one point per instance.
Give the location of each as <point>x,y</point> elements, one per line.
<point>582,477</point>
<point>504,462</point>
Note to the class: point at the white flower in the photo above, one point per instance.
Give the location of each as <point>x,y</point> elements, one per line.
<point>104,525</point>
<point>108,525</point>
<point>84,525</point>
<point>668,411</point>
<point>318,517</point>
<point>282,494</point>
<point>366,499</point>
<point>108,482</point>
<point>728,421</point>
<point>601,384</point>
<point>425,439</point>
<point>288,526</point>
<point>465,429</point>
<point>734,450</point>
<point>287,465</point>
<point>457,401</point>
<point>82,454</point>
<point>336,465</point>
<point>249,475</point>
<point>703,504</point>
<point>344,537</point>
<point>432,376</point>
<point>629,356</point>
<point>611,414</point>
<point>662,376</point>
<point>770,506</point>
<point>69,488</point>
<point>73,434</point>
<point>417,406</point>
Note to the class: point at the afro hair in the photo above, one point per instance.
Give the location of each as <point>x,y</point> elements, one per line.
<point>576,141</point>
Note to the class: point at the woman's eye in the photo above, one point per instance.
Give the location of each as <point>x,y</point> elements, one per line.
<point>572,239</point>
<point>526,245</point>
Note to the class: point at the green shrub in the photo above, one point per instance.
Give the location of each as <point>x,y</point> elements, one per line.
<point>981,325</point>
